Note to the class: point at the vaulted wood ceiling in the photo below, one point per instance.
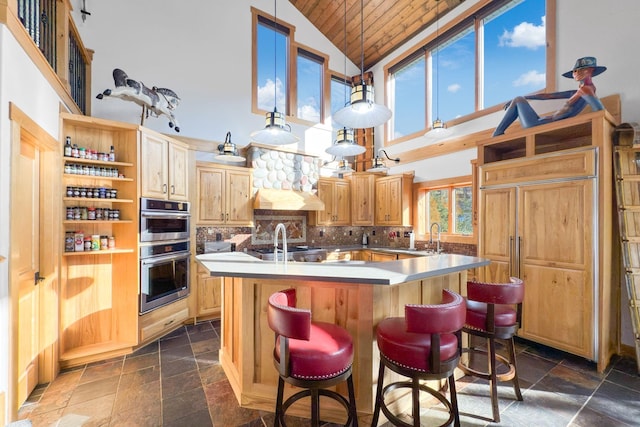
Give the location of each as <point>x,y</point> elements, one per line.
<point>387,23</point>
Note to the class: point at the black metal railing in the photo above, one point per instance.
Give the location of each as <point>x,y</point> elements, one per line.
<point>77,73</point>
<point>39,19</point>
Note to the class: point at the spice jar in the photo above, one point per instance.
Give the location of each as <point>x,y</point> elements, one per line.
<point>91,214</point>
<point>112,242</point>
<point>87,243</point>
<point>95,242</point>
<point>104,243</point>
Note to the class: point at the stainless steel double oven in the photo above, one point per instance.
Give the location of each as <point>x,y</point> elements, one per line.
<point>165,254</point>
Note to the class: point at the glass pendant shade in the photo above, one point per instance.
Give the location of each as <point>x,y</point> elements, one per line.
<point>345,145</point>
<point>378,165</point>
<point>438,130</point>
<point>276,131</point>
<point>362,112</point>
<point>343,169</point>
<point>228,152</point>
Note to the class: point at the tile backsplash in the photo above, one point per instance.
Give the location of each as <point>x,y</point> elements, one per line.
<point>320,235</point>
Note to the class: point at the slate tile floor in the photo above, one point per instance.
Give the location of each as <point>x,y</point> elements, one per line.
<point>177,381</point>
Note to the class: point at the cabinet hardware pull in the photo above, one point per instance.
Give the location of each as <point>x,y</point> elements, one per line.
<point>227,216</point>
<point>164,188</point>
<point>173,189</point>
<point>169,322</point>
<point>511,256</point>
<point>519,257</point>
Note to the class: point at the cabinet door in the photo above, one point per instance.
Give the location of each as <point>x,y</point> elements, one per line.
<point>210,188</point>
<point>178,172</point>
<point>239,209</point>
<point>209,295</point>
<point>395,201</point>
<point>383,257</point>
<point>342,203</point>
<point>154,167</point>
<point>497,233</point>
<point>362,194</point>
<point>556,256</point>
<point>325,193</point>
<point>382,201</point>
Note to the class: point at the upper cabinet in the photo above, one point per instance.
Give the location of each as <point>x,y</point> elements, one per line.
<point>224,195</point>
<point>164,171</point>
<point>336,195</point>
<point>394,200</point>
<point>362,198</point>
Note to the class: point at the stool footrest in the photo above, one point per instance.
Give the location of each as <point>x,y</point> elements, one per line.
<point>506,376</point>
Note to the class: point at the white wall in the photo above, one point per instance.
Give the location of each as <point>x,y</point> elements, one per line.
<point>21,84</point>
<point>202,51</point>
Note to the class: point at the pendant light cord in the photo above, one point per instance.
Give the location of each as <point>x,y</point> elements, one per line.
<point>437,60</point>
<point>275,55</point>
<point>362,41</point>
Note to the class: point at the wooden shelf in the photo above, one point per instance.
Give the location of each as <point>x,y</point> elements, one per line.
<point>96,178</point>
<point>96,221</point>
<point>100,252</point>
<point>96,199</point>
<point>96,162</point>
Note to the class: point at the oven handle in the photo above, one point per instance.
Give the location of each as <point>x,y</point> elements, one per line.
<point>163,258</point>
<point>164,215</point>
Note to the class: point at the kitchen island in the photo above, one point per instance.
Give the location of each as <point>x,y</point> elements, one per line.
<point>355,296</point>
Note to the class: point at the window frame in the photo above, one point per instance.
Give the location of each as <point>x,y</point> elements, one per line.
<point>420,190</point>
<point>293,49</point>
<point>451,29</point>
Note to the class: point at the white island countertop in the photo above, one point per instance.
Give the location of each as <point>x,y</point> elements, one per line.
<point>239,264</point>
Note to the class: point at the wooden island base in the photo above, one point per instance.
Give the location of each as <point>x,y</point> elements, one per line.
<point>246,351</point>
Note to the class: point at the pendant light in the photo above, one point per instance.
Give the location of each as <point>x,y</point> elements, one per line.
<point>438,128</point>
<point>378,162</point>
<point>228,152</point>
<point>276,131</point>
<point>345,144</point>
<point>343,169</point>
<point>362,112</point>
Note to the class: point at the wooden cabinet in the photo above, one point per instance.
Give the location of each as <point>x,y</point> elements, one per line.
<point>382,256</point>
<point>163,320</point>
<point>98,296</point>
<point>394,200</point>
<point>336,195</point>
<point>545,216</point>
<point>208,293</point>
<point>363,198</point>
<point>224,195</point>
<point>164,167</point>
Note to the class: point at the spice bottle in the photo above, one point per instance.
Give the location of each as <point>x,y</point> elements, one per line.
<point>67,147</point>
<point>112,155</point>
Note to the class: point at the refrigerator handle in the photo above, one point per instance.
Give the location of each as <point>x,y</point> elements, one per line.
<point>511,259</point>
<point>518,257</point>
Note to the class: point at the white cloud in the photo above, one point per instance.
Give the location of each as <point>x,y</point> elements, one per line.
<point>453,88</point>
<point>525,35</point>
<point>531,78</point>
<point>267,93</point>
<point>309,112</point>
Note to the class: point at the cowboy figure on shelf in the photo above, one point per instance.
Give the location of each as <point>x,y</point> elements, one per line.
<point>577,100</point>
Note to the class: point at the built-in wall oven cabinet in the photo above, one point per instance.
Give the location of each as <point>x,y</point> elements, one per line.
<point>163,220</point>
<point>164,274</point>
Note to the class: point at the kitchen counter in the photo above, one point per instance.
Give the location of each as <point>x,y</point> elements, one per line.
<point>238,264</point>
<point>354,295</point>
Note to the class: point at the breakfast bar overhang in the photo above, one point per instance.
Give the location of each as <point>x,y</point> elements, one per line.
<point>354,295</point>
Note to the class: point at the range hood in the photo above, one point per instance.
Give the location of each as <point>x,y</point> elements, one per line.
<point>288,200</point>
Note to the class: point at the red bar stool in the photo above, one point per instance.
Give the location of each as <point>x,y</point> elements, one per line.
<point>424,345</point>
<point>309,355</point>
<point>494,311</point>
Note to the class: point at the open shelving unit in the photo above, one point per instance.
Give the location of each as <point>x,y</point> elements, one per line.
<point>99,288</point>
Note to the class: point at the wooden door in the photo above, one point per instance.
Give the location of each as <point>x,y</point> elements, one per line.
<point>342,203</point>
<point>556,256</point>
<point>26,266</point>
<point>178,172</point>
<point>325,193</point>
<point>153,167</point>
<point>382,201</point>
<point>497,233</point>
<point>362,194</point>
<point>395,201</point>
<point>210,189</point>
<point>238,195</point>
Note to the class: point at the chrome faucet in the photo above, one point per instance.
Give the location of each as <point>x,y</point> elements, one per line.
<point>438,237</point>
<point>280,227</point>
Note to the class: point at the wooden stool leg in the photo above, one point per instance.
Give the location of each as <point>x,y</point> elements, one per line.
<point>415,393</point>
<point>512,361</point>
<point>493,380</point>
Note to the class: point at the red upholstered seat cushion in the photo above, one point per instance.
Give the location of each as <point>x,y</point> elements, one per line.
<point>328,353</point>
<point>411,349</point>
<point>505,315</point>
